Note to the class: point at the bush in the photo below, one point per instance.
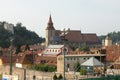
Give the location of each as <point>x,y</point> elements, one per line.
<point>55,77</point>
<point>43,67</point>
<point>0,76</point>
<point>60,77</point>
<point>82,71</point>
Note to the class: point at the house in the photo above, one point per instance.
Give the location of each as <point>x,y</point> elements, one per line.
<point>54,50</point>
<point>71,60</point>
<point>49,60</point>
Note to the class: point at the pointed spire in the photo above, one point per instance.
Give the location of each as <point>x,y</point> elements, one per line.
<point>50,24</point>
<point>50,19</point>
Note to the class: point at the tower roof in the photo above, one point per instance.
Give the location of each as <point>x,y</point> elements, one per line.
<point>107,37</point>
<point>50,24</point>
<point>50,20</point>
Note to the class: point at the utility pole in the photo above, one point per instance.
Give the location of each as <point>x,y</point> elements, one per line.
<point>11,41</point>
<point>34,77</point>
<point>64,50</point>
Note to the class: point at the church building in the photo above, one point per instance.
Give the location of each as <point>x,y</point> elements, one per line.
<point>70,37</point>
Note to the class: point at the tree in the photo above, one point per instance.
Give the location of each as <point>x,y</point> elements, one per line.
<point>55,77</point>
<point>82,71</point>
<point>73,47</point>
<point>18,49</point>
<point>44,67</point>
<point>84,47</point>
<point>77,67</point>
<point>60,77</point>
<point>115,37</point>
<point>27,47</point>
<point>19,24</point>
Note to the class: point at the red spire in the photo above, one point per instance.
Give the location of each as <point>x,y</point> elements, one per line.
<point>50,24</point>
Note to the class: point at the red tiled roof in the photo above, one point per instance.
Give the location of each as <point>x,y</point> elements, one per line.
<point>90,38</point>
<point>74,36</point>
<point>6,59</point>
<point>112,53</point>
<point>78,37</point>
<point>48,60</point>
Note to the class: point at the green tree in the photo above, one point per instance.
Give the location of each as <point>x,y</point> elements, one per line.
<point>21,36</point>
<point>84,47</point>
<point>60,77</point>
<point>44,67</point>
<point>82,71</point>
<point>77,67</point>
<point>18,49</point>
<point>114,36</point>
<point>27,47</point>
<point>55,77</point>
<point>73,47</point>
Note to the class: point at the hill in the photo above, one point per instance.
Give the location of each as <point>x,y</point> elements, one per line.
<point>115,37</point>
<point>22,36</point>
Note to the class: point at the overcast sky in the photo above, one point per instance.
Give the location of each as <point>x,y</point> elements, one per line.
<point>89,16</point>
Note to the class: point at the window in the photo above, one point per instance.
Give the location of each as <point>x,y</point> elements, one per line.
<point>58,50</point>
<point>43,61</point>
<point>74,58</point>
<point>55,50</point>
<point>67,58</point>
<point>68,65</point>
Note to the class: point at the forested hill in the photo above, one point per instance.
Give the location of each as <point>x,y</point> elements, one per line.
<point>22,36</point>
<point>114,36</point>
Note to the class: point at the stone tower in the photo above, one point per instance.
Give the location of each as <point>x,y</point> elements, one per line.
<point>50,32</point>
<point>108,41</point>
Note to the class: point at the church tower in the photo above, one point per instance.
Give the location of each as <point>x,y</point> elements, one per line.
<point>50,32</point>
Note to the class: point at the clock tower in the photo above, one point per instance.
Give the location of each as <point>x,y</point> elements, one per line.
<point>50,32</point>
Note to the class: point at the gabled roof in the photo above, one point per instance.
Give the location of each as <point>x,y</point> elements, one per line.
<point>90,38</point>
<point>74,36</point>
<point>92,62</point>
<point>50,60</point>
<point>77,36</point>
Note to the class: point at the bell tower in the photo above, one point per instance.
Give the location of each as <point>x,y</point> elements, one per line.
<point>50,32</point>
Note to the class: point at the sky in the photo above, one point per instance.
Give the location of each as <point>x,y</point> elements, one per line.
<point>89,16</point>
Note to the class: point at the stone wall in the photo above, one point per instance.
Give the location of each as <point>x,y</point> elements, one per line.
<point>29,73</point>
